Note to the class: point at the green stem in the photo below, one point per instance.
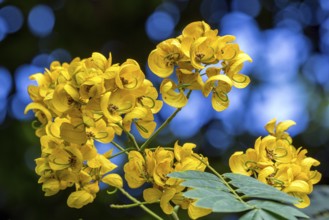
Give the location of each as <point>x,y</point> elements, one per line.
<point>174,213</point>
<point>129,205</point>
<point>125,151</point>
<point>118,146</point>
<point>138,203</point>
<point>130,136</point>
<point>167,121</point>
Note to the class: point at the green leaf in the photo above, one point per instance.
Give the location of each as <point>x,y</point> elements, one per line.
<point>252,188</point>
<point>286,212</point>
<point>193,175</point>
<point>220,204</point>
<point>233,193</point>
<point>205,183</point>
<point>200,193</point>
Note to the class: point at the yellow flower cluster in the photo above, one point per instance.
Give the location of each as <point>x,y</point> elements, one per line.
<point>153,168</point>
<point>276,162</point>
<point>81,102</point>
<point>202,60</point>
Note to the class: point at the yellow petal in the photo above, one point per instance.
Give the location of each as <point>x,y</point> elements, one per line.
<point>99,60</point>
<point>315,177</point>
<point>195,29</point>
<point>158,65</point>
<point>238,61</point>
<point>152,195</point>
<point>236,163</point>
<point>80,198</point>
<point>264,173</point>
<point>240,81</point>
<point>113,179</point>
<point>170,96</point>
<point>304,200</point>
<point>195,212</point>
<point>165,205</point>
<point>283,126</point>
<point>270,126</point>
<point>220,101</point>
<point>40,107</point>
<point>298,186</point>
<point>308,162</point>
<point>50,187</point>
<point>73,134</point>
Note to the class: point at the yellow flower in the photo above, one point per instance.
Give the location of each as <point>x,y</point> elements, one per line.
<point>79,198</point>
<point>203,52</point>
<point>130,75</point>
<point>225,49</point>
<point>163,59</point>
<point>189,79</point>
<point>245,164</point>
<point>41,112</point>
<point>65,97</point>
<point>98,61</point>
<point>93,87</point>
<point>192,32</point>
<point>113,179</point>
<point>163,166</point>
<point>219,85</point>
<point>170,96</point>
<point>147,97</point>
<point>100,132</point>
<point>67,157</point>
<point>113,105</point>
<point>198,29</point>
<point>101,163</point>
<point>135,172</point>
<point>187,159</point>
<point>279,130</point>
<point>233,67</point>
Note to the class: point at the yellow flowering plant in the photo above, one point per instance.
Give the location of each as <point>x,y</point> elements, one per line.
<point>93,99</point>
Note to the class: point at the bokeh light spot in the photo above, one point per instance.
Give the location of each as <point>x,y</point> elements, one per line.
<point>5,82</point>
<point>3,109</point>
<point>324,4</point>
<point>213,10</point>
<point>22,80</point>
<point>3,29</point>
<point>41,60</point>
<point>282,101</point>
<point>195,114</point>
<point>217,136</point>
<point>13,17</point>
<point>250,7</point>
<point>41,20</point>
<point>17,106</point>
<point>316,69</point>
<point>171,9</point>
<point>60,55</point>
<point>159,26</point>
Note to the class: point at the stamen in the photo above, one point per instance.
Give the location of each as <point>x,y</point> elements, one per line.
<point>141,128</point>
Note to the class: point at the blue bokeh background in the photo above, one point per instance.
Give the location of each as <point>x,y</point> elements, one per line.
<point>288,41</point>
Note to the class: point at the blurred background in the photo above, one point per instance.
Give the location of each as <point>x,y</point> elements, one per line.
<point>287,39</point>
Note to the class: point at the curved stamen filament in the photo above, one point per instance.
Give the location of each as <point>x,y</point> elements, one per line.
<point>141,127</point>
<point>284,150</point>
<point>36,124</point>
<point>105,135</point>
<point>148,97</point>
<point>222,96</point>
